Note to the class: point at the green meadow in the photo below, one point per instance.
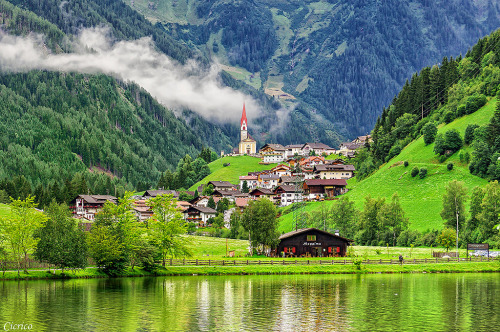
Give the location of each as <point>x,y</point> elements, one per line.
<point>421,199</point>
<point>239,165</point>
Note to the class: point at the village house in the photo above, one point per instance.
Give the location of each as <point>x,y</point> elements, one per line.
<point>268,181</point>
<point>251,181</point>
<point>142,211</point>
<point>311,161</point>
<point>334,171</point>
<point>272,158</point>
<point>290,180</point>
<point>199,215</point>
<point>288,195</point>
<point>183,205</point>
<point>348,149</point>
<point>200,201</point>
<point>292,150</point>
<point>262,193</point>
<point>222,185</point>
<point>281,170</point>
<point>86,206</point>
<point>319,188</point>
<point>312,242</point>
<point>318,148</point>
<point>229,194</point>
<point>271,148</point>
<point>363,139</point>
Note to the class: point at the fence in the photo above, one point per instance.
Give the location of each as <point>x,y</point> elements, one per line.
<point>441,254</point>
<point>33,264</point>
<point>236,262</point>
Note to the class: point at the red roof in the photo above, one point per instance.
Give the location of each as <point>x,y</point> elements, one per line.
<point>244,116</point>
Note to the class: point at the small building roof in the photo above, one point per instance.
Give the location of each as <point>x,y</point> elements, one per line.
<point>334,167</point>
<point>278,147</point>
<point>154,193</point>
<point>326,182</point>
<point>218,184</point>
<point>98,199</point>
<point>263,191</point>
<point>202,209</point>
<point>270,177</point>
<point>242,201</point>
<point>248,177</point>
<point>285,188</point>
<point>306,230</point>
<point>318,146</point>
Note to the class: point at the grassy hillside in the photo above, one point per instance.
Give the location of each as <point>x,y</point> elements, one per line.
<point>239,165</point>
<point>421,199</point>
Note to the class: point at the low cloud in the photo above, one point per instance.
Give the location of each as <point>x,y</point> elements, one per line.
<point>174,85</point>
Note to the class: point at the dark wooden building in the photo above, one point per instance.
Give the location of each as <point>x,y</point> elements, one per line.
<point>312,242</point>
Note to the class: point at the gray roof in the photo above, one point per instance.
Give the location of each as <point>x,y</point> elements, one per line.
<point>317,146</point>
<point>274,146</point>
<point>294,146</point>
<point>270,177</point>
<point>264,191</point>
<point>330,167</point>
<point>221,184</point>
<point>98,199</point>
<point>288,189</point>
<point>287,179</point>
<point>352,146</point>
<point>202,209</point>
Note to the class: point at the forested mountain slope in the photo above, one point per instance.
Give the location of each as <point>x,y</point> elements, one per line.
<point>57,124</point>
<point>344,59</point>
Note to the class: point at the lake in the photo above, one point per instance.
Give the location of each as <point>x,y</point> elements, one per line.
<point>378,302</point>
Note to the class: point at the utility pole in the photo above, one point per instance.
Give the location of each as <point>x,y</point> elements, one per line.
<point>456,214</point>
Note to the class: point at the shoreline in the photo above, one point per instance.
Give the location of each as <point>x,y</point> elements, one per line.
<point>463,267</point>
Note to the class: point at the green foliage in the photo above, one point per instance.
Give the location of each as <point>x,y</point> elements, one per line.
<point>344,217</point>
<point>489,214</point>
<point>244,187</point>
<point>429,131</point>
<point>447,238</point>
<point>469,133</point>
<point>406,163</point>
<point>449,166</point>
<point>449,143</point>
<point>222,205</point>
<point>166,227</point>
<point>454,204</point>
<point>414,172</point>
<point>259,219</point>
<point>211,203</point>
<point>423,172</point>
<point>19,227</point>
<point>62,242</point>
<point>106,249</point>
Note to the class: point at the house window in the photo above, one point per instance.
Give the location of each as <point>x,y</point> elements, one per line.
<point>311,238</point>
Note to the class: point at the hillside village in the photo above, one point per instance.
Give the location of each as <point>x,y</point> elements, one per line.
<point>305,172</point>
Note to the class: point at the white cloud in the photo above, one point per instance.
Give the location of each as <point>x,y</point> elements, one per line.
<point>175,85</point>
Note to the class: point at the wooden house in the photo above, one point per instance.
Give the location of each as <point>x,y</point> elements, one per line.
<point>199,214</point>
<point>320,188</point>
<point>334,171</point>
<point>312,242</point>
<point>86,206</point>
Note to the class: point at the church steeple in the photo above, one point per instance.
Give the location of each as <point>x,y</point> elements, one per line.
<point>244,124</point>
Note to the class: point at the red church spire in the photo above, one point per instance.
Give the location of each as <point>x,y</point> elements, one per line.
<point>244,117</point>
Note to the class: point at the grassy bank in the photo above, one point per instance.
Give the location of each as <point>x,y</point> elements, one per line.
<point>468,267</point>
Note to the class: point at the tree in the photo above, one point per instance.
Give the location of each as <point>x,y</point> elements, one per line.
<point>490,210</point>
<point>106,249</point>
<point>321,218</point>
<point>439,144</point>
<point>368,222</point>
<point>423,172</point>
<point>446,238</point>
<point>454,205</point>
<point>259,219</point>
<point>218,224</point>
<point>62,242</point>
<point>166,227</point>
<point>414,172</point>
<point>344,216</point>
<point>429,131</point>
<point>19,229</point>
<point>208,190</point>
<point>244,187</point>
<point>222,205</point>
<point>453,140</point>
<point>211,203</point>
<point>392,217</point>
<point>469,133</point>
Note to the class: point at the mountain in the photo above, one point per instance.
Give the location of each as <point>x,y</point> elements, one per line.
<point>340,62</point>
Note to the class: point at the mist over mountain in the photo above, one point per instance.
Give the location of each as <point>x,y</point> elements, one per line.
<point>341,61</point>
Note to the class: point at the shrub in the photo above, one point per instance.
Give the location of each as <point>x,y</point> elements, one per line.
<point>423,172</point>
<point>448,116</point>
<point>406,163</point>
<point>469,133</point>
<point>449,166</point>
<point>461,110</point>
<point>442,158</point>
<point>475,102</point>
<point>464,157</point>
<point>414,171</point>
<point>429,131</point>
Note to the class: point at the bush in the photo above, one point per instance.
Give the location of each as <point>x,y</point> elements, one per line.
<point>414,171</point>
<point>449,166</point>
<point>475,102</point>
<point>406,163</point>
<point>429,131</point>
<point>464,157</point>
<point>448,116</point>
<point>469,133</point>
<point>423,172</point>
<point>461,110</point>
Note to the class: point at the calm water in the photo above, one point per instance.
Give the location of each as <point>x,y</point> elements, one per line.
<point>416,302</point>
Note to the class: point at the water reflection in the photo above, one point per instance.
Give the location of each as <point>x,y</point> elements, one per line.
<point>256,303</point>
